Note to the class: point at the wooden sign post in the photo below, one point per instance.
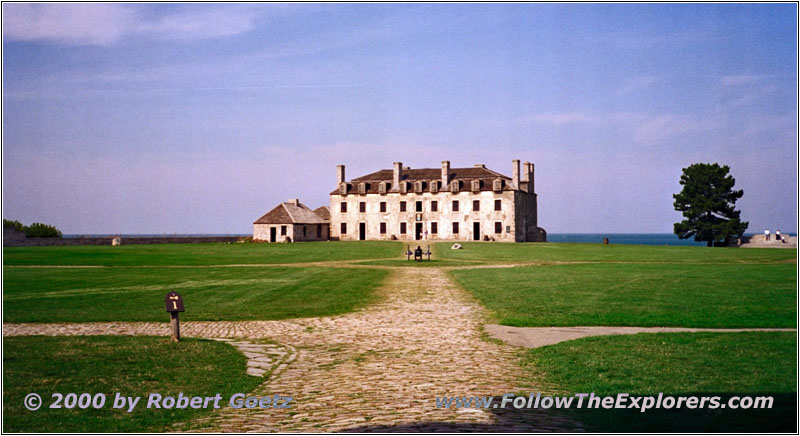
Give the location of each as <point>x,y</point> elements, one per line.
<point>174,304</point>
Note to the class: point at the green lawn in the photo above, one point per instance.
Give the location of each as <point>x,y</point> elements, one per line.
<point>132,366</point>
<point>688,364</point>
<point>487,252</point>
<point>566,285</point>
<point>209,293</point>
<point>201,254</point>
<point>674,294</point>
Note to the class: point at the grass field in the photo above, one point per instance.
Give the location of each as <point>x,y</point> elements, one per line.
<point>228,293</point>
<point>674,294</point>
<point>200,254</point>
<point>539,285</point>
<point>132,366</point>
<point>688,364</point>
<point>478,252</point>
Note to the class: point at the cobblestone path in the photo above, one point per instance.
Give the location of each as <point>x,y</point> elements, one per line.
<point>377,369</point>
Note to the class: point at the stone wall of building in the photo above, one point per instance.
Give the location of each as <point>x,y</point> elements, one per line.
<point>106,240</point>
<point>310,232</point>
<point>290,232</point>
<point>261,233</point>
<point>371,207</point>
<point>526,220</point>
<point>372,218</point>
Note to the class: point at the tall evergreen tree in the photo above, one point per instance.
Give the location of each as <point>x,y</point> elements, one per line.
<point>707,202</point>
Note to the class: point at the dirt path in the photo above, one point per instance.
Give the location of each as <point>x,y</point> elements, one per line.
<point>759,241</point>
<point>378,369</point>
<point>534,337</point>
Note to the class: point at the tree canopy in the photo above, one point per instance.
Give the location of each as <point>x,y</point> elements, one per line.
<point>35,230</point>
<point>39,230</point>
<point>15,224</point>
<point>708,201</point>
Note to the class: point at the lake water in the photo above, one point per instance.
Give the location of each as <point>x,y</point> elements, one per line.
<point>628,238</point>
<point>590,238</point>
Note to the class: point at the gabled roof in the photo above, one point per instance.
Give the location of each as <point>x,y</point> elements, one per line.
<point>290,213</point>
<point>323,212</point>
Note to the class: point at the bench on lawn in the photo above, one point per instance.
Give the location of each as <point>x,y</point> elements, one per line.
<point>418,253</point>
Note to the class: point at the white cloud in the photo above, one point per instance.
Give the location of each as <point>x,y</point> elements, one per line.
<point>104,24</point>
<point>563,118</point>
<point>633,40</point>
<point>80,24</point>
<point>204,23</point>
<point>736,80</point>
<point>664,126</point>
<point>758,125</point>
<point>639,83</point>
<point>559,119</point>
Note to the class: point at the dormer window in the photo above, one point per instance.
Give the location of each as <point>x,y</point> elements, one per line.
<point>497,185</point>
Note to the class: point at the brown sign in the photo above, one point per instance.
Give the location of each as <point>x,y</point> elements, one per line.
<point>174,302</point>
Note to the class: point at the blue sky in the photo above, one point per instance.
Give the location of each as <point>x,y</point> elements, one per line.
<point>199,118</point>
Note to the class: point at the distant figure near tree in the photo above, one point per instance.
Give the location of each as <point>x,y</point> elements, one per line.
<point>766,234</point>
<point>708,202</point>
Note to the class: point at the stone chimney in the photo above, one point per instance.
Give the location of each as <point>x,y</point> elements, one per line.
<point>480,165</point>
<point>515,172</point>
<point>526,172</point>
<point>339,174</point>
<point>398,174</point>
<point>445,172</point>
<point>530,178</point>
<point>294,201</point>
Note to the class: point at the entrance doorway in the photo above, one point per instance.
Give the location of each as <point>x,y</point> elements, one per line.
<point>362,231</point>
<point>476,231</point>
<point>273,234</point>
<point>418,232</point>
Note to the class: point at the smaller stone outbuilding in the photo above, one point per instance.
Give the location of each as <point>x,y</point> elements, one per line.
<point>290,221</point>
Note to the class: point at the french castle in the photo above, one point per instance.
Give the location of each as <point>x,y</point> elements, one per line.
<point>416,204</point>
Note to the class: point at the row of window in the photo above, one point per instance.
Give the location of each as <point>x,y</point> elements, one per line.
<point>498,228</point>
<point>305,233</point>
<point>421,186</point>
<point>476,206</point>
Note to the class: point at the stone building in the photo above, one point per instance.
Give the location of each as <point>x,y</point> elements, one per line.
<point>436,203</point>
<point>291,221</point>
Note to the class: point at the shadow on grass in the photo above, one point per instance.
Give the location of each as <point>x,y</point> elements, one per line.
<point>507,420</point>
<point>781,418</point>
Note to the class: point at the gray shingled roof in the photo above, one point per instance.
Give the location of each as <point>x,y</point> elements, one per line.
<point>290,213</point>
<point>463,175</point>
<point>411,175</point>
<point>323,212</point>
